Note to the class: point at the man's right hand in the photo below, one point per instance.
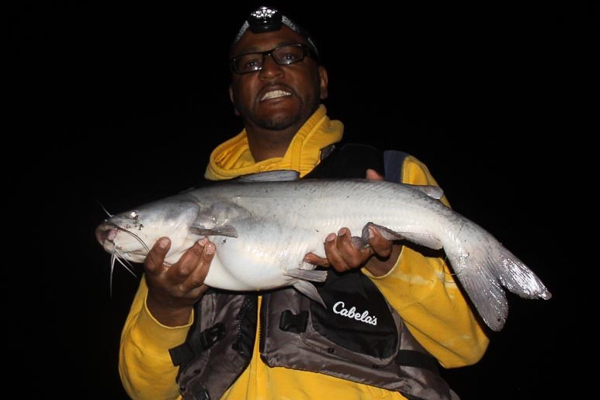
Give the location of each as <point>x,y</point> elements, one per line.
<point>174,289</point>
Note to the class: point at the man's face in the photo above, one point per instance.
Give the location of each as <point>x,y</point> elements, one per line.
<point>278,96</point>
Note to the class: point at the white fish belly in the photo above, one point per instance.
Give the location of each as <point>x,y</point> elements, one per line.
<point>258,258</point>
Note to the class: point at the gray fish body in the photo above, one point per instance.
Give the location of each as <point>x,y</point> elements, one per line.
<point>263,230</point>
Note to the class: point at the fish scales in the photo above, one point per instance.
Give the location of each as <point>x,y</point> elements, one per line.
<point>361,201</point>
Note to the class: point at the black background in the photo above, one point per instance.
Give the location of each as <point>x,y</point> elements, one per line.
<point>118,104</point>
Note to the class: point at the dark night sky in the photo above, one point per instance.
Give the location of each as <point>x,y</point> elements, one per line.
<point>130,100</point>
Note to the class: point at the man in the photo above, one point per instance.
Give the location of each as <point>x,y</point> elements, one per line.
<point>277,87</point>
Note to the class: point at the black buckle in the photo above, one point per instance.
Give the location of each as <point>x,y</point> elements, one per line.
<point>186,352</point>
<point>212,335</point>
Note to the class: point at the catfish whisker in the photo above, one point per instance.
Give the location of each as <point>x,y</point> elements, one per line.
<point>113,257</point>
<point>126,264</point>
<point>116,255</point>
<point>136,238</point>
<point>104,209</point>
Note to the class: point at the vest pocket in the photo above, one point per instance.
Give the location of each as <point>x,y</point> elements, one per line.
<point>295,334</point>
<point>357,326</point>
<point>357,317</point>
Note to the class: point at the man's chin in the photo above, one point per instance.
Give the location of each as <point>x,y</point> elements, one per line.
<point>278,121</point>
<point>278,124</point>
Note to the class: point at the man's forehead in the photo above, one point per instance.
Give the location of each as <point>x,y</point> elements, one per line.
<point>252,42</point>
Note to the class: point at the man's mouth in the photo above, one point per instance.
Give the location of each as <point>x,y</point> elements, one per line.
<point>275,94</point>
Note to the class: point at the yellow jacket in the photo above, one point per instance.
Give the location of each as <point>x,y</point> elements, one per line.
<point>420,288</point>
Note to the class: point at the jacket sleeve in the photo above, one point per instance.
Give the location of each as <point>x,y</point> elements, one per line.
<point>145,366</point>
<point>422,289</point>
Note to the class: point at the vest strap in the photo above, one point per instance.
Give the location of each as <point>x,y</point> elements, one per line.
<point>197,344</point>
<point>351,160</point>
<point>393,161</point>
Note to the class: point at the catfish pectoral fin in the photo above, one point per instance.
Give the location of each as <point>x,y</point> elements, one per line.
<point>309,290</point>
<point>312,275</point>
<point>225,230</point>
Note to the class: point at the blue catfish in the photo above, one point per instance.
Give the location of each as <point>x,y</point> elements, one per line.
<point>265,224</point>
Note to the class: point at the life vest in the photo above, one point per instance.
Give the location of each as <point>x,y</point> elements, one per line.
<point>358,336</point>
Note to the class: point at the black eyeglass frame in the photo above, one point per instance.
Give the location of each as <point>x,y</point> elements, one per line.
<point>307,52</point>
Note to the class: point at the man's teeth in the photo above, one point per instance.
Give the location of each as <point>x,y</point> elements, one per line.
<point>275,94</point>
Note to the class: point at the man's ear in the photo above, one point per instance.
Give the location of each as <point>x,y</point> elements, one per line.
<point>231,97</point>
<point>324,82</point>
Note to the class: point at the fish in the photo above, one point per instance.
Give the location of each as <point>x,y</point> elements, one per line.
<point>264,224</point>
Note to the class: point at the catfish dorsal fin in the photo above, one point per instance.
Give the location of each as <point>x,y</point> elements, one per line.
<point>282,175</point>
<point>435,192</point>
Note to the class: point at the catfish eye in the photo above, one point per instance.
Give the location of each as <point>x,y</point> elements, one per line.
<point>133,215</point>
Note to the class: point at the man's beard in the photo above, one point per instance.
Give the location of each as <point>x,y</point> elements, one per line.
<point>277,123</point>
<point>283,121</point>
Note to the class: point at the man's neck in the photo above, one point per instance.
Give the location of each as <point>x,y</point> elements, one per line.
<point>266,144</point>
<point>269,143</point>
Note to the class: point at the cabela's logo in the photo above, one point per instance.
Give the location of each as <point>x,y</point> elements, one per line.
<point>340,308</point>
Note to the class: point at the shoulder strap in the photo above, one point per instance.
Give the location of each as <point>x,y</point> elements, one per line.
<point>224,329</point>
<point>351,160</point>
<point>347,161</point>
<point>393,161</point>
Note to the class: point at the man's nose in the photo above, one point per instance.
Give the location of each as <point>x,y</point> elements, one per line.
<point>270,68</point>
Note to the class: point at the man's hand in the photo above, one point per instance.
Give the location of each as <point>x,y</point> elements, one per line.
<point>173,290</point>
<point>342,254</point>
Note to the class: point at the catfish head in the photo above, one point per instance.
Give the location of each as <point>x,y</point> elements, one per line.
<point>130,235</point>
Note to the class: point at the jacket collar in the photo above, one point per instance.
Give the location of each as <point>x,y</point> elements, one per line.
<point>233,157</point>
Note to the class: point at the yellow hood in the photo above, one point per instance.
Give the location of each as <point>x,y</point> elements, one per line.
<point>233,157</point>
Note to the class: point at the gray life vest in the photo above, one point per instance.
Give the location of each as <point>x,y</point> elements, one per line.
<point>358,337</point>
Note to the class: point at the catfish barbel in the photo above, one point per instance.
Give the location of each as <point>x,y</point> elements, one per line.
<point>264,225</point>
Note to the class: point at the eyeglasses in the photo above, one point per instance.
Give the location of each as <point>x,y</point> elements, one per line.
<point>282,55</point>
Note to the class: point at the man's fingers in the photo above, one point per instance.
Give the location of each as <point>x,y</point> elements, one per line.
<point>314,259</point>
<point>199,267</point>
<point>354,255</point>
<point>333,254</point>
<point>180,271</point>
<point>343,252</point>
<point>381,246</point>
<point>156,257</point>
<point>374,175</point>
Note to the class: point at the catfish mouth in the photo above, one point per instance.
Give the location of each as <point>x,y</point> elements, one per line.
<point>107,232</point>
